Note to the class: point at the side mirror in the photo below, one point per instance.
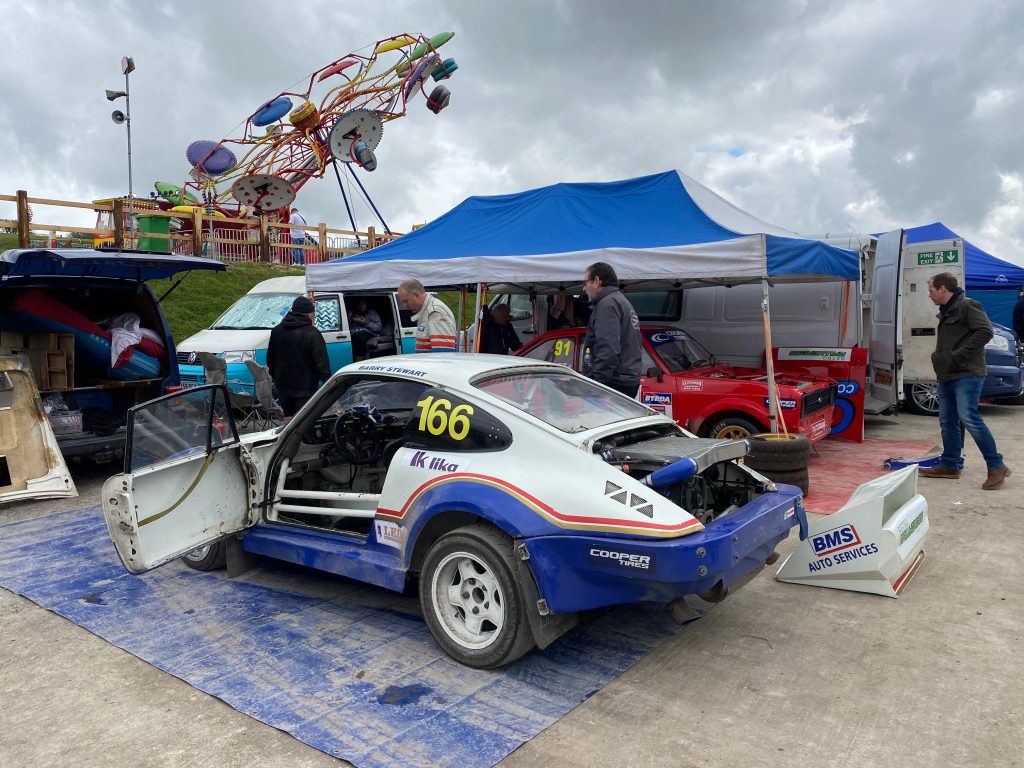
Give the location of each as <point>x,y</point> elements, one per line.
<point>654,372</point>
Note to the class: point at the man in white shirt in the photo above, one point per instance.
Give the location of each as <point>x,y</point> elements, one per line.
<point>435,324</point>
<point>298,236</point>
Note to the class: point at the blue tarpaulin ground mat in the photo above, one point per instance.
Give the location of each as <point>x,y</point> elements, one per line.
<point>344,667</point>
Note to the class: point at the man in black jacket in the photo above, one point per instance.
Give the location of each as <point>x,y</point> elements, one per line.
<point>611,348</point>
<point>297,357</point>
<point>1018,317</point>
<point>499,337</point>
<point>959,363</point>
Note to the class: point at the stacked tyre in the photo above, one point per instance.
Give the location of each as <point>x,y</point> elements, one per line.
<point>781,458</point>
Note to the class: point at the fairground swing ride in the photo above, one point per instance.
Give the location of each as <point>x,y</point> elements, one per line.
<point>298,135</point>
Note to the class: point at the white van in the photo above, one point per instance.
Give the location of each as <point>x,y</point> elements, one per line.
<point>243,331</point>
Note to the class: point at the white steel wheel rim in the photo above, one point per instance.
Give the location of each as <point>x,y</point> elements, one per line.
<point>198,554</point>
<point>467,600</point>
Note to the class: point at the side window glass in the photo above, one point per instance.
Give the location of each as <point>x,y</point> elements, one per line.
<point>445,421</point>
<point>177,426</point>
<point>561,351</point>
<point>328,314</point>
<point>404,315</point>
<point>646,361</point>
<point>520,306</point>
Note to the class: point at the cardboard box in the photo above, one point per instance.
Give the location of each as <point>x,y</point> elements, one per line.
<point>57,371</point>
<point>40,341</point>
<point>12,339</point>
<point>66,344</point>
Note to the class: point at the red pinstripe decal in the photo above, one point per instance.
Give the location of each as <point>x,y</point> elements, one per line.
<point>539,506</point>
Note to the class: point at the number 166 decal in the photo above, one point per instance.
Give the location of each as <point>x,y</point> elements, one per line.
<point>437,416</point>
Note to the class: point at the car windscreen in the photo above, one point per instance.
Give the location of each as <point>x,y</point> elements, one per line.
<point>562,399</point>
<point>678,350</point>
<point>255,311</point>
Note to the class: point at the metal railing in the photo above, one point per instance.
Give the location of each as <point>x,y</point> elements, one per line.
<point>228,239</point>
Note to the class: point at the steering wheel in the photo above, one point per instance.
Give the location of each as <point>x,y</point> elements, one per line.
<point>357,438</point>
<point>700,363</point>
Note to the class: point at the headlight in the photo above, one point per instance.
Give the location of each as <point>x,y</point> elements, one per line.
<point>999,344</point>
<point>239,357</point>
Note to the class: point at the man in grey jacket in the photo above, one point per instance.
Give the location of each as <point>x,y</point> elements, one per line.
<point>959,363</point>
<point>611,348</point>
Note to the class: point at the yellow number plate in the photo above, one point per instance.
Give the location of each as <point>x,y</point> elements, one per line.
<point>884,378</point>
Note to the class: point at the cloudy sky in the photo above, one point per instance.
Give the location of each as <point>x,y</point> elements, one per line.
<point>819,116</point>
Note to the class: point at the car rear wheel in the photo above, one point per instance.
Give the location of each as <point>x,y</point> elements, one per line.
<point>922,398</point>
<point>470,599</point>
<point>733,428</point>
<point>208,557</point>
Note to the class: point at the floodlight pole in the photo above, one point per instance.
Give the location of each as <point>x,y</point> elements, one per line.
<point>128,122</point>
<point>127,67</point>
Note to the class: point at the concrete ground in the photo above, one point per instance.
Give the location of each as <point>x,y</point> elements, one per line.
<point>777,674</point>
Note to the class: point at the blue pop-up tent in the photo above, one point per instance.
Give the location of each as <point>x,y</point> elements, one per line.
<point>659,231</point>
<point>992,281</point>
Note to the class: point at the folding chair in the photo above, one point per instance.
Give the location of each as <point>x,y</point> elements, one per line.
<point>268,413</point>
<point>215,370</point>
<point>242,403</point>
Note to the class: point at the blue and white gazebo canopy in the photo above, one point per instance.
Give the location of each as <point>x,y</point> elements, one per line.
<point>660,231</point>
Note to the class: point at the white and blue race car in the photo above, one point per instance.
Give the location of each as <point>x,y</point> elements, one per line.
<point>516,493</point>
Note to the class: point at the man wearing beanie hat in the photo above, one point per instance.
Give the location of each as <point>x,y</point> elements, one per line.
<point>297,357</point>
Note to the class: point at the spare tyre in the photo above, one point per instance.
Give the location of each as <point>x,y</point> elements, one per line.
<point>770,451</point>
<point>797,477</point>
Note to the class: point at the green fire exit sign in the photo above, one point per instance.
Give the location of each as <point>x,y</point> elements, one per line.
<point>938,257</point>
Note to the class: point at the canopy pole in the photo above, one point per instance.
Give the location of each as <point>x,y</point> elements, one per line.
<point>773,392</point>
<point>464,344</point>
<point>481,289</point>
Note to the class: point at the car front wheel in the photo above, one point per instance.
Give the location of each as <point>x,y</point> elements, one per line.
<point>733,428</point>
<point>208,557</point>
<point>470,598</point>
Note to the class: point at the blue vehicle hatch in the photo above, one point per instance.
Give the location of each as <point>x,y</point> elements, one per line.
<point>86,262</point>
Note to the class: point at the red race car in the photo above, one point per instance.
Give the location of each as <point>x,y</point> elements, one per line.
<point>683,381</point>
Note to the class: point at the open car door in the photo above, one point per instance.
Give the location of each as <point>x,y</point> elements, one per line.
<point>31,466</point>
<point>184,483</point>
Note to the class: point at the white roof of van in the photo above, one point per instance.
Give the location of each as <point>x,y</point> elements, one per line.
<point>294,284</point>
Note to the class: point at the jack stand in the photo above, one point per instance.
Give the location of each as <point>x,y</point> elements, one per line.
<point>898,462</point>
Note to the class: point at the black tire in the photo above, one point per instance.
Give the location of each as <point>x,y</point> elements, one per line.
<point>922,398</point>
<point>797,477</point>
<point>486,553</point>
<point>207,558</point>
<point>733,428</point>
<point>785,453</point>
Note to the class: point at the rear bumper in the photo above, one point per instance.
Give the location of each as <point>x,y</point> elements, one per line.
<point>576,573</point>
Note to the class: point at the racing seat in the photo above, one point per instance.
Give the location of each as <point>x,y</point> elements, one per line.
<point>383,343</point>
<point>390,450</point>
<point>266,412</point>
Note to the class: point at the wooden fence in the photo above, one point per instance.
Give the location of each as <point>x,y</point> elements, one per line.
<point>229,239</point>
